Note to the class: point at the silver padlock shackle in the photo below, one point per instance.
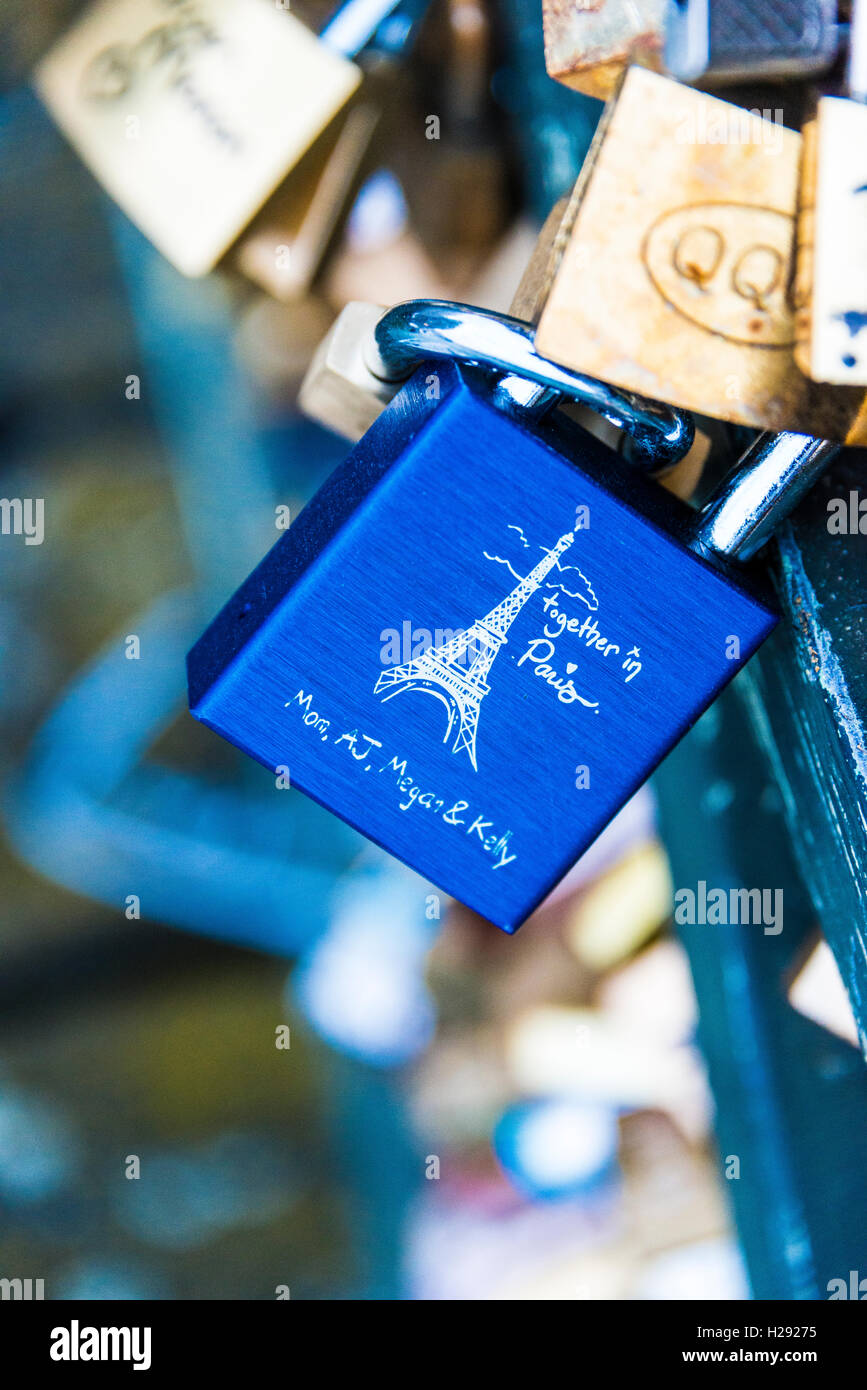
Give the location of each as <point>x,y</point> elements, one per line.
<point>771,478</point>
<point>422,329</point>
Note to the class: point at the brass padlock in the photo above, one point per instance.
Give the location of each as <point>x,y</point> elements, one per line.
<point>674,279</point>
<point>587,46</point>
<point>528,304</point>
<point>450,155</point>
<point>346,386</point>
<point>287,241</point>
<point>192,115</point>
<point>831,282</point>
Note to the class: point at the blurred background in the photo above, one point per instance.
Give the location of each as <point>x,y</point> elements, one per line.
<point>244,1054</point>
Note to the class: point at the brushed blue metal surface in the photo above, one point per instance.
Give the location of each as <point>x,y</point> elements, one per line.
<point>475,643</point>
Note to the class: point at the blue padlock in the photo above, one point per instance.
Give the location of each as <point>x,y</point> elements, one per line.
<point>481,636</point>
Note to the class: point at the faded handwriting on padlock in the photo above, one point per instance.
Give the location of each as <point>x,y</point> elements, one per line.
<point>725,268</point>
<point>170,50</point>
<point>113,71</point>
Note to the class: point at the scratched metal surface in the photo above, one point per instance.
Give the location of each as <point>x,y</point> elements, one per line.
<point>807,697</point>
<point>793,34</point>
<point>790,1096</point>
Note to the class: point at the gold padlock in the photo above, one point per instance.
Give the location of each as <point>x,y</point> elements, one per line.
<point>674,279</point>
<point>192,114</point>
<point>831,281</point>
<point>587,46</point>
<point>284,246</point>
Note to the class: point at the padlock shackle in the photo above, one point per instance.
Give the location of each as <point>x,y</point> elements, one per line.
<point>771,478</point>
<point>425,329</point>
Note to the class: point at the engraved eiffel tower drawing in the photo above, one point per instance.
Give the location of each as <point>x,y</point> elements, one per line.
<point>461,683</point>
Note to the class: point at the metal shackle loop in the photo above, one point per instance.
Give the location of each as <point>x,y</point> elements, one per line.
<point>422,329</point>
<point>773,475</point>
